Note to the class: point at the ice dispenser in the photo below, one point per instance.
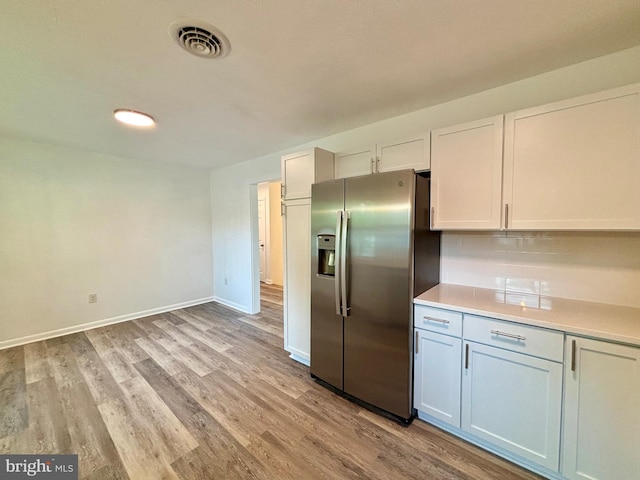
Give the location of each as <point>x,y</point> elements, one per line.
<point>326,255</point>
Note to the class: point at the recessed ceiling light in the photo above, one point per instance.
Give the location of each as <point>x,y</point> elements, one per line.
<point>131,117</point>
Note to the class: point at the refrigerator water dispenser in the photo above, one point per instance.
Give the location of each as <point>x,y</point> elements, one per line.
<point>327,255</point>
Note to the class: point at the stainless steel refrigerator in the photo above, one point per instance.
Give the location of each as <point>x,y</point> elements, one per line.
<point>372,252</point>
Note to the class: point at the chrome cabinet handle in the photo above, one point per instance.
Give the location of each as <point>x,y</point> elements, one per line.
<point>439,320</point>
<point>377,164</point>
<point>466,356</point>
<point>509,335</point>
<point>506,216</point>
<point>372,165</point>
<point>417,341</point>
<point>573,355</point>
<point>433,214</point>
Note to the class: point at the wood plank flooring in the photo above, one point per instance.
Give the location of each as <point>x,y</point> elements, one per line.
<point>271,293</point>
<point>208,393</point>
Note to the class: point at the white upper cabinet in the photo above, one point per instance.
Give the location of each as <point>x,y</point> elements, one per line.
<point>574,165</point>
<point>410,152</point>
<point>466,175</point>
<point>301,170</point>
<point>353,163</point>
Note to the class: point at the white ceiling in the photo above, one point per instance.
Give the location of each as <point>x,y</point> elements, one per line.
<point>298,69</point>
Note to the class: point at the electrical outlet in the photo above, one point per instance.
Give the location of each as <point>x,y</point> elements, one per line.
<point>93,298</point>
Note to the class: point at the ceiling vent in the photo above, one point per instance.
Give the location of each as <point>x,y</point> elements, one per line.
<point>200,38</point>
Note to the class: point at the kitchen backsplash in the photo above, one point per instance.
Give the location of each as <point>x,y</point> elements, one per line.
<point>527,266</point>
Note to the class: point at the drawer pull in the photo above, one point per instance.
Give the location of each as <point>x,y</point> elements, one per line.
<point>509,335</point>
<point>466,356</point>
<point>573,355</point>
<point>506,216</point>
<point>439,320</point>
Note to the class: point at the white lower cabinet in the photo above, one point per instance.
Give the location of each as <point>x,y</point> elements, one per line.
<point>297,279</point>
<point>513,401</point>
<point>499,384</point>
<point>437,376</point>
<point>495,383</point>
<point>602,410</point>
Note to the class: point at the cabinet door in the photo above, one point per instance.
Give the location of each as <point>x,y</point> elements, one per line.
<point>601,410</point>
<point>297,175</point>
<point>354,163</point>
<point>301,170</point>
<point>412,152</point>
<point>436,386</point>
<point>297,281</point>
<point>513,401</point>
<point>575,164</point>
<point>466,176</point>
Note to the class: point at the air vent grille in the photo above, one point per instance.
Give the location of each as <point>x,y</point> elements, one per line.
<point>200,39</point>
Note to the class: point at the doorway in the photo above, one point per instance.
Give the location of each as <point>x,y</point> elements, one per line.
<point>270,245</point>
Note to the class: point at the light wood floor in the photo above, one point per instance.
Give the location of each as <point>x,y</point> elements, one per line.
<point>208,393</point>
<point>271,293</point>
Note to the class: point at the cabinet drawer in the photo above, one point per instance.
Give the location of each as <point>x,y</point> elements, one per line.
<point>438,320</point>
<point>534,341</point>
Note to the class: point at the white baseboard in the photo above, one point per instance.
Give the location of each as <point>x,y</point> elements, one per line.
<point>298,355</point>
<point>301,359</point>
<point>99,323</point>
<point>235,306</point>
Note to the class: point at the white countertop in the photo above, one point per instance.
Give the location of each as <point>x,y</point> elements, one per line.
<point>599,320</point>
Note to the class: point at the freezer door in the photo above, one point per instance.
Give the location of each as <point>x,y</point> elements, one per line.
<point>377,332</point>
<point>327,201</point>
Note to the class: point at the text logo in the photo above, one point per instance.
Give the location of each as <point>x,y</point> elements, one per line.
<point>50,467</point>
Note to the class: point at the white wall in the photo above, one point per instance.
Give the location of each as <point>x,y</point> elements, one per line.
<point>73,223</point>
<point>231,203</point>
<point>235,230</point>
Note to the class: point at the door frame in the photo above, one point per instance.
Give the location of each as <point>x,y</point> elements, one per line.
<point>255,243</point>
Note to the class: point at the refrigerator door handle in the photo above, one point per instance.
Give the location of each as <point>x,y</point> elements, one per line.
<point>337,267</point>
<point>344,237</point>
